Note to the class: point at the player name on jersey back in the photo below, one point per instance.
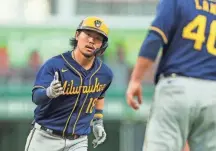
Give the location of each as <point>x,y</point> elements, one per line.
<point>207,6</point>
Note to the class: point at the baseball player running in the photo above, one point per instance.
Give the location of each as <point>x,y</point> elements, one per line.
<point>184,106</point>
<point>69,93</point>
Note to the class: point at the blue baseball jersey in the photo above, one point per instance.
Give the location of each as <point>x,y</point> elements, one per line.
<point>188,31</point>
<point>72,112</point>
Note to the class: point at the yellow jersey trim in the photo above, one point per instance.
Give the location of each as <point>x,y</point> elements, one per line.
<point>159,31</point>
<point>86,97</point>
<point>81,83</point>
<point>98,115</point>
<point>38,86</point>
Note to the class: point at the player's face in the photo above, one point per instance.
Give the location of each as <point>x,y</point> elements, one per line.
<point>88,41</point>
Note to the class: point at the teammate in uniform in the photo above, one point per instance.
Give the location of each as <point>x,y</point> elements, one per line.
<point>184,106</point>
<point>69,93</point>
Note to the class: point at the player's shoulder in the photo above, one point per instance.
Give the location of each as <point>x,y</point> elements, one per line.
<point>105,69</point>
<point>171,3</point>
<point>55,60</point>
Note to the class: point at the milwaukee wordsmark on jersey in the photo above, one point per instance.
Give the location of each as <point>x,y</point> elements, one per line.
<point>70,89</point>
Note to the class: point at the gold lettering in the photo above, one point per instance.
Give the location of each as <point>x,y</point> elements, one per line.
<point>65,88</point>
<point>76,90</point>
<point>103,87</point>
<point>213,8</point>
<point>85,89</point>
<point>91,89</point>
<point>100,88</point>
<point>96,86</point>
<point>205,6</point>
<point>64,85</point>
<point>198,6</point>
<point>71,87</point>
<point>68,89</point>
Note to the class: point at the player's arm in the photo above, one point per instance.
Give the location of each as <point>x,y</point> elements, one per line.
<point>98,127</point>
<point>39,96</point>
<point>158,35</point>
<point>47,84</point>
<point>166,19</point>
<point>187,148</point>
<point>44,95</point>
<point>147,56</point>
<point>99,106</point>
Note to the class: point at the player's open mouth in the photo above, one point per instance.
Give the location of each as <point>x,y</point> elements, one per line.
<point>90,48</point>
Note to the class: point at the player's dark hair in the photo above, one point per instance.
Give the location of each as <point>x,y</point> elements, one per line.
<point>73,43</point>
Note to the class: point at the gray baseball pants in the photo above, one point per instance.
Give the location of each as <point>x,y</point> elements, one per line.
<point>183,109</point>
<point>40,140</point>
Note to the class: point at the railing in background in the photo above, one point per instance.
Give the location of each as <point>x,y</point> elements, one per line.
<point>116,7</point>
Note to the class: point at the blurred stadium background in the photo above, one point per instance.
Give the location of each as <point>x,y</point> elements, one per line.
<point>32,31</point>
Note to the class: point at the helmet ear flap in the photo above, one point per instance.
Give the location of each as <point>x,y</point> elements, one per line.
<point>103,48</point>
<point>100,51</point>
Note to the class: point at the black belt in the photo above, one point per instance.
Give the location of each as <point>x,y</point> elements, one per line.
<point>60,133</point>
<point>173,75</point>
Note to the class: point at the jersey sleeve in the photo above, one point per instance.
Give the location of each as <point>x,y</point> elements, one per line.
<point>165,19</point>
<point>151,46</point>
<point>44,76</point>
<point>104,91</point>
<point>107,87</point>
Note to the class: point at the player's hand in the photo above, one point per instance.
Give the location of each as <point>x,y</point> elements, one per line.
<point>134,94</point>
<point>99,133</point>
<point>55,89</point>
